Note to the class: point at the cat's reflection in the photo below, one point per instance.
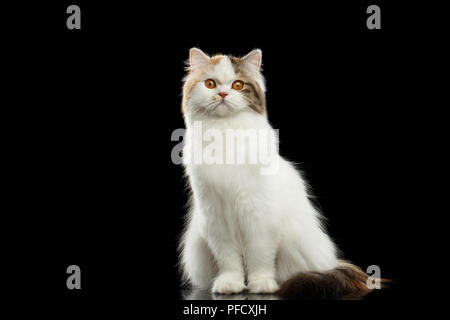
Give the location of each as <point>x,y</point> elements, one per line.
<point>197,294</point>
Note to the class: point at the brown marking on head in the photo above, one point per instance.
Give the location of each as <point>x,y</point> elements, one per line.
<point>254,94</point>
<point>256,98</point>
<point>215,59</point>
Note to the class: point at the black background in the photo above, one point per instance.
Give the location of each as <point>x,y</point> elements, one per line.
<point>94,184</point>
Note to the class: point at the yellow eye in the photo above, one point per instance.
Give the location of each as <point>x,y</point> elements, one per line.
<point>210,84</point>
<point>237,85</point>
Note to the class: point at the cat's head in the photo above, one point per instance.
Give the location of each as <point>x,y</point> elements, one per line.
<point>221,86</point>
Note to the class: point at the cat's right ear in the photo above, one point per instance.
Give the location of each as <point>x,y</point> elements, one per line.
<point>197,59</point>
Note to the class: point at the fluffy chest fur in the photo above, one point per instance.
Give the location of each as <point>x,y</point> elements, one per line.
<point>233,187</point>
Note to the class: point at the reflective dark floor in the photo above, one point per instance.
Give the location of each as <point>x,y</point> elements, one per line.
<point>197,294</point>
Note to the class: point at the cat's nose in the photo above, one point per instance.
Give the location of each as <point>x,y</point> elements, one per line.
<point>223,94</point>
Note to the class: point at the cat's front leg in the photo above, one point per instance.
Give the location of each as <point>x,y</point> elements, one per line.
<point>231,276</point>
<point>229,283</point>
<point>261,249</point>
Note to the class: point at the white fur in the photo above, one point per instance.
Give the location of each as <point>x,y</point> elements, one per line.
<point>244,229</point>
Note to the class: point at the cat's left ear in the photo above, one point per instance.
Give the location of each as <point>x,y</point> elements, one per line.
<point>253,60</point>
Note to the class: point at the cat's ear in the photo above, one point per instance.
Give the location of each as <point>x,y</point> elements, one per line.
<point>197,59</point>
<point>253,60</point>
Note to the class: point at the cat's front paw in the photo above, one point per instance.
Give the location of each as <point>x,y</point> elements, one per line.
<point>263,286</point>
<point>228,284</point>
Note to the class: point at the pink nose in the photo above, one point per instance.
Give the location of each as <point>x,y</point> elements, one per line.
<point>223,94</point>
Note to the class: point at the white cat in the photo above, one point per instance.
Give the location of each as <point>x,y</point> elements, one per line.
<point>245,229</point>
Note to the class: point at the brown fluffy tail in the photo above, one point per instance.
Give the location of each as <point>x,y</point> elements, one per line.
<point>346,281</point>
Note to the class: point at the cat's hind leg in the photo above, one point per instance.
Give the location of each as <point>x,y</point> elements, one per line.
<point>305,247</point>
<point>199,267</point>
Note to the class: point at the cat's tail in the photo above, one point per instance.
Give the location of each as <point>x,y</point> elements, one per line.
<point>346,281</point>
